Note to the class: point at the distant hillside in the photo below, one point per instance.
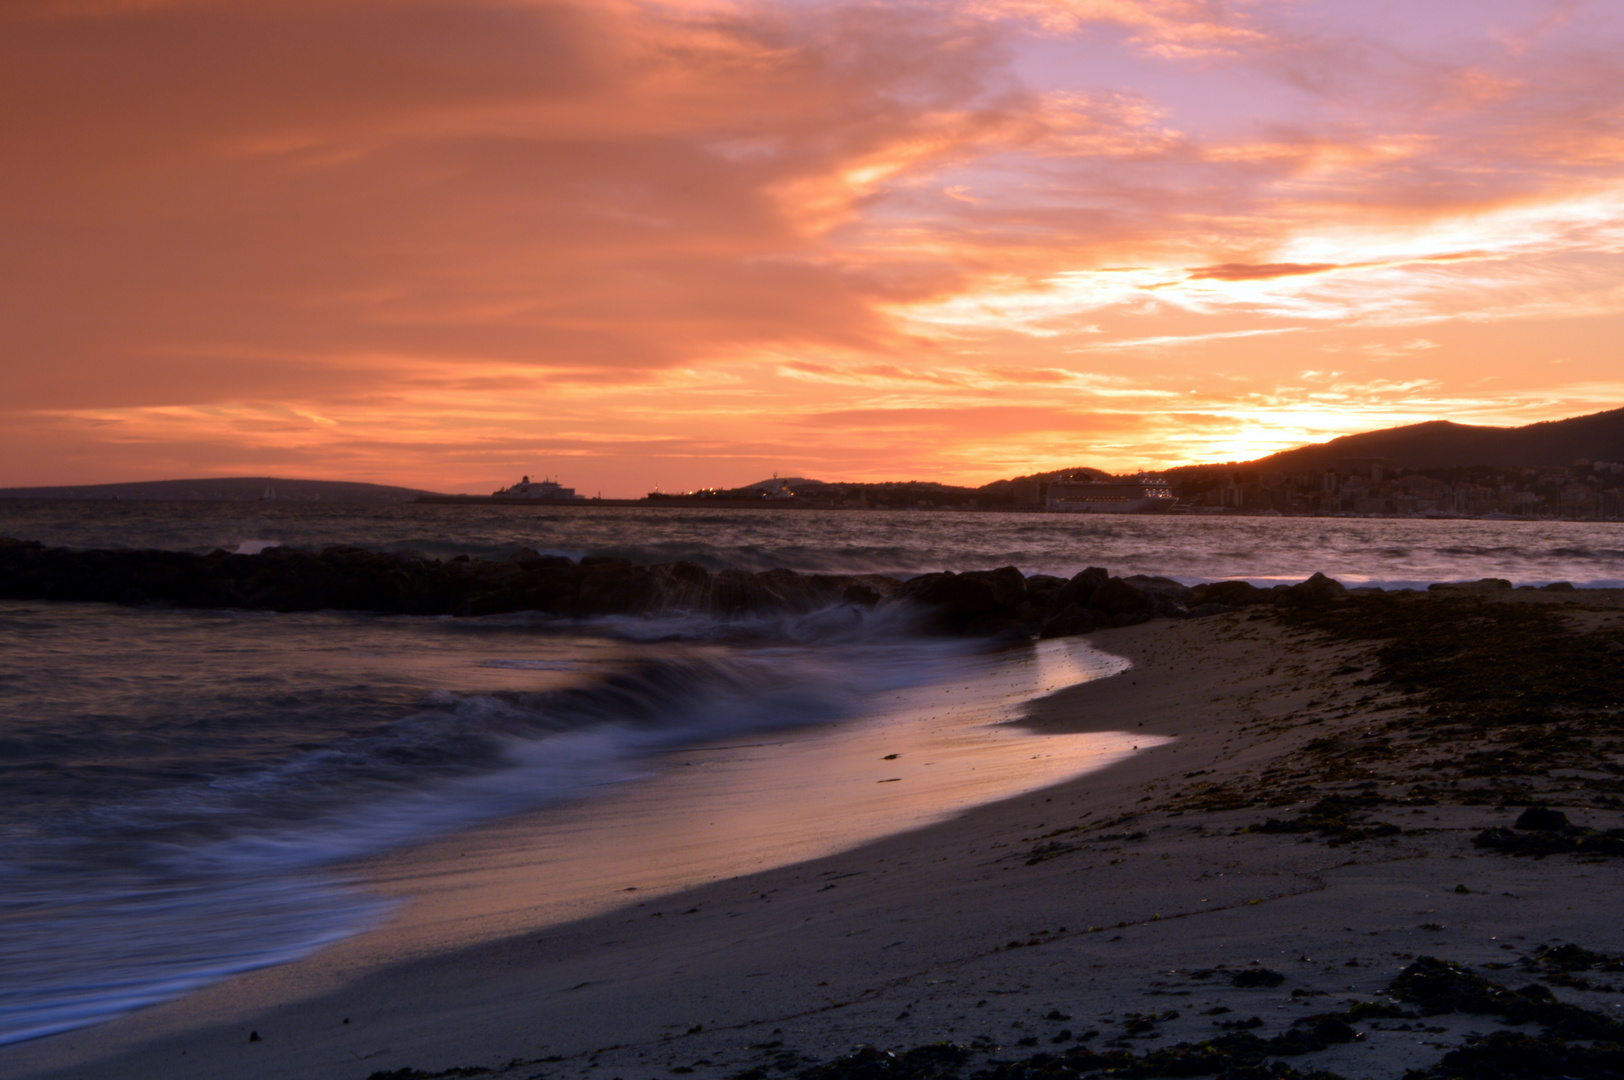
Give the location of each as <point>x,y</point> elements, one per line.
<point>225,489</point>
<point>1021,491</point>
<point>1022,483</point>
<point>1442,444</point>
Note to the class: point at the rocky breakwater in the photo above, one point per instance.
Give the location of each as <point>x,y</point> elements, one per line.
<point>1005,602</point>
<point>989,603</point>
<point>358,579</point>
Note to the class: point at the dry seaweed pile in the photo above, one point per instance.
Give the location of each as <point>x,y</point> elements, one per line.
<point>1473,700</point>
<point>1570,1041</point>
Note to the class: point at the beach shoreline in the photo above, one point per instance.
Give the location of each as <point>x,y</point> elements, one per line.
<point>1098,899</point>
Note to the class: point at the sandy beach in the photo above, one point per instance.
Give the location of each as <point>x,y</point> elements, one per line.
<point>1130,903</point>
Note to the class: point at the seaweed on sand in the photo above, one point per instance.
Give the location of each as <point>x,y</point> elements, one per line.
<point>1502,701</point>
<point>1512,1055</point>
<point>1337,818</point>
<point>1575,1042</point>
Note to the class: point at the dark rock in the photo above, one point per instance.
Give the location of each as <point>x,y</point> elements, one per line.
<point>682,586</point>
<point>358,579</point>
<point>1161,588</point>
<point>925,588</point>
<point>1259,976</point>
<point>1042,598</point>
<point>1559,586</point>
<point>1201,611</point>
<point>1118,598</point>
<point>1543,818</point>
<point>1229,593</point>
<point>860,595</point>
<point>529,558</point>
<point>1069,621</point>
<point>1006,584</point>
<point>1044,583</point>
<point>1318,589</point>
<point>1539,843</point>
<point>1081,588</point>
<point>978,602</point>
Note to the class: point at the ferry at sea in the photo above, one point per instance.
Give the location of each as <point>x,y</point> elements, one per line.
<point>1142,494</point>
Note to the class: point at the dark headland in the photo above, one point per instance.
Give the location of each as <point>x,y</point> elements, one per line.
<point>222,489</point>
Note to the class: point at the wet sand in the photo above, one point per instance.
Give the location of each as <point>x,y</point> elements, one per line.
<point>1093,899</point>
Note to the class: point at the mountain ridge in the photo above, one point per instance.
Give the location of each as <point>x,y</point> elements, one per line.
<point>1445,444</point>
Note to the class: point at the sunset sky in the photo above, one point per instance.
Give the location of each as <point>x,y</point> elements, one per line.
<point>445,242</point>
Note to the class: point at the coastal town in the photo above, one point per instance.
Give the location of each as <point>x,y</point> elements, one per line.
<point>1583,491</point>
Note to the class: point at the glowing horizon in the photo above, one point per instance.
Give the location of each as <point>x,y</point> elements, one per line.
<point>634,243</point>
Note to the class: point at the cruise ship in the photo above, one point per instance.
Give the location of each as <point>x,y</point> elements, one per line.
<point>1142,494</point>
<point>541,490</point>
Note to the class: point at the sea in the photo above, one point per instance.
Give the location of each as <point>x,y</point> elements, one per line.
<point>185,795</point>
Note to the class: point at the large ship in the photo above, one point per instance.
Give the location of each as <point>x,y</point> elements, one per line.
<point>1142,494</point>
<point>538,491</point>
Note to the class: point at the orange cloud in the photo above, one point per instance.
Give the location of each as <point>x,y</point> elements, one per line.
<point>438,239</point>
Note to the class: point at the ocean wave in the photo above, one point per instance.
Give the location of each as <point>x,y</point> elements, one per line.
<point>462,758</point>
<point>141,898</point>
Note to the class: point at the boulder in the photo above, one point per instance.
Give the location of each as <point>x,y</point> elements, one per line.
<point>1318,589</point>
<point>1039,583</point>
<point>1068,621</point>
<point>1007,584</point>
<point>1229,594</point>
<point>1164,588</point>
<point>681,585</point>
<point>1118,599</point>
<point>1542,819</point>
<point>1042,599</point>
<point>528,558</point>
<point>984,602</point>
<point>973,593</point>
<point>1081,588</point>
<point>860,595</point>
